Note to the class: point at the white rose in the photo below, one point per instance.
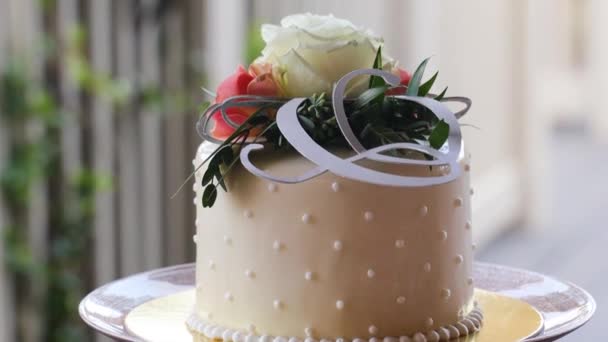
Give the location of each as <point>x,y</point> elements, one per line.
<point>309,53</point>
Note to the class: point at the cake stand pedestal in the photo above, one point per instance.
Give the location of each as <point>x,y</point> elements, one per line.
<point>565,307</point>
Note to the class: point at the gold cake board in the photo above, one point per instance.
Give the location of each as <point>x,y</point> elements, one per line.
<point>505,319</point>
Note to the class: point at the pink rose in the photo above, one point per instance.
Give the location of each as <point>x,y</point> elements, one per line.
<point>257,81</point>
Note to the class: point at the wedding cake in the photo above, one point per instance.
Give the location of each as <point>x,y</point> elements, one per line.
<point>333,197</point>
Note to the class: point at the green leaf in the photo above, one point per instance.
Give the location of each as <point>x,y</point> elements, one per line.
<point>368,96</point>
<point>439,135</point>
<point>307,123</point>
<point>414,85</point>
<point>376,81</point>
<point>208,176</point>
<point>209,196</point>
<point>424,89</point>
<point>215,162</point>
<point>440,96</point>
<point>259,120</point>
<point>220,181</point>
<point>227,155</point>
<point>255,44</point>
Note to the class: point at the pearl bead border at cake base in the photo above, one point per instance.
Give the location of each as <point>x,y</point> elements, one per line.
<point>468,325</point>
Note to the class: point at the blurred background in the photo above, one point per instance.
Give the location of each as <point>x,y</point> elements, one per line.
<point>98,101</point>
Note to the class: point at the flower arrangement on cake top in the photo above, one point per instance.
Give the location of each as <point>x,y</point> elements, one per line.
<point>307,56</point>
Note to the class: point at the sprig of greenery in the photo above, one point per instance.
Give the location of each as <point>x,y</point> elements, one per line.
<point>375,118</point>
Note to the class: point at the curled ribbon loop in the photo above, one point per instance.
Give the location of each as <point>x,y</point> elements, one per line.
<point>292,130</point>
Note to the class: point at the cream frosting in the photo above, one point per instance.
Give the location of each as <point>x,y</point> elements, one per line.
<point>334,256</point>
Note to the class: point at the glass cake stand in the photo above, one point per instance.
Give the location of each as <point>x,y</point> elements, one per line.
<point>564,307</point>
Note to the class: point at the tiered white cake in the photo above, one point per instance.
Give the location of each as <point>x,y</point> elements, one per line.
<point>333,258</point>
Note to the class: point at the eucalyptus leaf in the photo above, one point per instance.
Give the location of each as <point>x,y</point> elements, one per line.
<point>227,155</point>
<point>426,87</point>
<point>414,85</point>
<point>209,196</point>
<point>439,135</point>
<point>220,181</point>
<point>208,176</point>
<point>215,162</point>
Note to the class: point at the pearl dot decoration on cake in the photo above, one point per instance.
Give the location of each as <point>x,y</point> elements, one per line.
<point>335,186</point>
<point>251,328</point>
<point>277,304</point>
<point>444,334</point>
<point>339,304</point>
<point>458,202</point>
<point>211,264</point>
<point>371,273</point>
<point>195,238</point>
<point>424,210</point>
<point>277,245</point>
<point>227,240</point>
<point>442,235</point>
<point>248,213</point>
<point>373,329</point>
<point>338,245</point>
<point>458,259</point>
<point>306,218</point>
<point>471,191</point>
<point>228,296</point>
<point>469,281</point>
<point>429,322</point>
<point>368,216</point>
<point>249,274</point>
<point>427,267</point>
<point>446,294</point>
<point>432,336</point>
<point>309,275</point>
<point>467,225</point>
<point>272,187</point>
<point>400,300</point>
<point>308,331</point>
<point>399,243</point>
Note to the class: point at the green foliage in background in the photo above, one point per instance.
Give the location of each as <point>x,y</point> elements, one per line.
<point>255,44</point>
<point>34,120</point>
<point>51,283</point>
